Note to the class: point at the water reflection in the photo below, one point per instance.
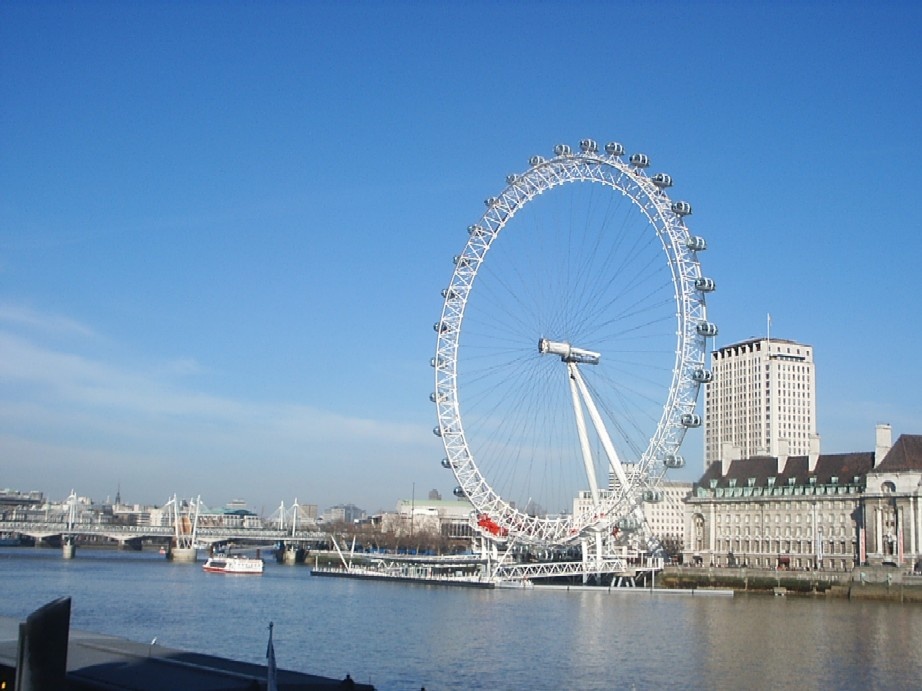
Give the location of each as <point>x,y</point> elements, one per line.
<point>404,637</point>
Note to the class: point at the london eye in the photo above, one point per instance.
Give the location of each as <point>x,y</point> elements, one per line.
<point>571,347</point>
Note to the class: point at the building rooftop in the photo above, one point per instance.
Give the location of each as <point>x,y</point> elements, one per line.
<point>905,454</point>
<point>760,339</point>
<point>757,471</point>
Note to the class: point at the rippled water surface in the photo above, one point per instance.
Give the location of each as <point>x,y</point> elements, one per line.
<point>399,636</point>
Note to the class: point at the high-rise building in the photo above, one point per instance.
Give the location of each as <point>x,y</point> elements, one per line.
<point>761,401</point>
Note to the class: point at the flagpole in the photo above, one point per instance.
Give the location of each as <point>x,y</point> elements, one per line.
<point>271,671</point>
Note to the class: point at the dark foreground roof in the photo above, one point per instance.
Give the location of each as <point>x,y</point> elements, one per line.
<point>96,661</point>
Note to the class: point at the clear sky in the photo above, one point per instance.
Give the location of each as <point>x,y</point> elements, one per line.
<point>224,226</point>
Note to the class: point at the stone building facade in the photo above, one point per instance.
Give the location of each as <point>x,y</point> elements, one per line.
<point>891,516</point>
<point>831,511</point>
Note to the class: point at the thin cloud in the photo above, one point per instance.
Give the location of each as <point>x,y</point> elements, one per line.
<point>20,316</point>
<point>62,412</point>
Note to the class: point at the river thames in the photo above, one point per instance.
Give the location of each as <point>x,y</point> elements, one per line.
<point>405,636</point>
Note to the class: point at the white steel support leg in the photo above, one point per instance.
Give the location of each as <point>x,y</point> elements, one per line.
<point>583,435</point>
<point>613,459</point>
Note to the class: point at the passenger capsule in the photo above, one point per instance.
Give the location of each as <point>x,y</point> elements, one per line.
<point>449,293</point>
<point>475,230</point>
<point>459,492</point>
<point>490,202</point>
<point>437,431</point>
<point>614,149</point>
<point>432,362</point>
<point>652,496</point>
<point>446,463</point>
<point>628,524</point>
<point>674,460</point>
<point>458,260</point>
<point>662,180</point>
<point>703,376</point>
<point>691,420</point>
<point>681,208</point>
<point>640,160</point>
<point>705,285</point>
<point>562,150</point>
<point>707,328</point>
<point>512,178</point>
<point>440,327</point>
<point>536,160</point>
<point>696,243</point>
<point>588,146</point>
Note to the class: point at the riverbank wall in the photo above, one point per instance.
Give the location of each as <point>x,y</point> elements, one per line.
<point>863,583</point>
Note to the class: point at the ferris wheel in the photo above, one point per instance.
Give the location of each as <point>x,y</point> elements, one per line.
<point>571,347</point>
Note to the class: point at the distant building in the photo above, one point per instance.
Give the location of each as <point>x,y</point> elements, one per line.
<point>343,513</point>
<point>761,401</point>
<point>14,499</point>
<point>450,518</point>
<point>666,518</point>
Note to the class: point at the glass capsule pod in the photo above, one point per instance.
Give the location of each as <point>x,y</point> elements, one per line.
<point>628,523</point>
<point>588,146</point>
<point>696,243</point>
<point>437,431</point>
<point>459,492</point>
<point>702,376</point>
<point>681,208</point>
<point>446,464</point>
<point>562,150</point>
<point>536,160</point>
<point>674,460</point>
<point>652,496</point>
<point>691,420</point>
<point>662,180</point>
<point>614,149</point>
<point>705,284</point>
<point>707,329</point>
<point>640,160</point>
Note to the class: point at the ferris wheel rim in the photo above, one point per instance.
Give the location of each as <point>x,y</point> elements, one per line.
<point>680,247</point>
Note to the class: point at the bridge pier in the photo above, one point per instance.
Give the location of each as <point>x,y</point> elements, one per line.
<point>182,555</point>
<point>68,546</point>
<point>132,544</point>
<point>290,553</point>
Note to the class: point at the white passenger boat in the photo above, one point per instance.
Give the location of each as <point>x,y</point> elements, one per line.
<point>221,563</point>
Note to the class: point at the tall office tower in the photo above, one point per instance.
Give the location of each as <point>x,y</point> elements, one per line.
<point>761,401</point>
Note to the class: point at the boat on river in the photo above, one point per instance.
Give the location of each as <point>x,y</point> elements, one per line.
<point>234,564</point>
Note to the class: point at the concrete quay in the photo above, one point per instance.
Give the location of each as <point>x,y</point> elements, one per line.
<point>863,583</point>
<point>95,662</point>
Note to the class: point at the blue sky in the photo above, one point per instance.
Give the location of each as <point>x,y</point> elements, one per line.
<point>224,226</point>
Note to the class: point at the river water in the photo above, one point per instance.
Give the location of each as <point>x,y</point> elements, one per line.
<point>406,636</point>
